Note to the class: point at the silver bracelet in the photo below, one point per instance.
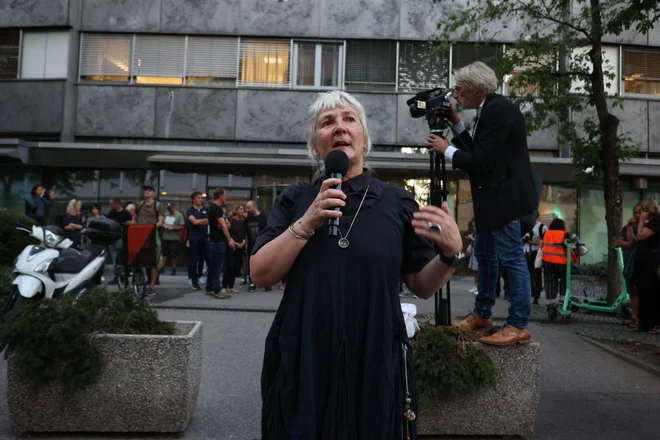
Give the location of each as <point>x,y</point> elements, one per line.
<point>295,234</point>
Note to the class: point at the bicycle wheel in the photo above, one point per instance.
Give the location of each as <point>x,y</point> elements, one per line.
<point>140,282</point>
<point>121,275</point>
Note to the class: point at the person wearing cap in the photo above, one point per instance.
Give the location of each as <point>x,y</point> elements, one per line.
<point>174,224</point>
<point>150,212</point>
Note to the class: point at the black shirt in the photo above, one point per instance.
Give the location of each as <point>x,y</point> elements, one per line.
<point>647,249</point>
<point>627,252</point>
<point>121,217</point>
<point>254,224</point>
<point>197,231</point>
<point>237,230</point>
<point>215,213</point>
<point>417,251</point>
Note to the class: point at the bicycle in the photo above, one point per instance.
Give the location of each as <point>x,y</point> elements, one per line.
<point>130,277</point>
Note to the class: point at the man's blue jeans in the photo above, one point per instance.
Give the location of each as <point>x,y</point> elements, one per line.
<point>502,245</point>
<point>217,261</point>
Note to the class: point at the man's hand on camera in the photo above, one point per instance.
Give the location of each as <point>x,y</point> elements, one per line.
<point>437,144</point>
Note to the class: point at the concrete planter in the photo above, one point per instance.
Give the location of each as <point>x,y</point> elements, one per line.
<point>509,408</point>
<point>588,286</point>
<point>148,384</point>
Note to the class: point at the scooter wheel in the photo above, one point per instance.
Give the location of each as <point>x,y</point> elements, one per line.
<point>552,314</point>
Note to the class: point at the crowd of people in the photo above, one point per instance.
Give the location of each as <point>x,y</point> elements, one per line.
<point>216,238</point>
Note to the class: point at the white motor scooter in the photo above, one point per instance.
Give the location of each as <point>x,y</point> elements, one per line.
<point>56,267</point>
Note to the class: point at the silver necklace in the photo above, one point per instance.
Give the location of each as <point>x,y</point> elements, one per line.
<point>343,241</point>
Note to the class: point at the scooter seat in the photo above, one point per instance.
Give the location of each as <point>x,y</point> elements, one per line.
<point>74,260</point>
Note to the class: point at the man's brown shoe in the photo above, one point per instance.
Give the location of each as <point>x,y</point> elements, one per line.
<point>508,335</point>
<point>475,322</point>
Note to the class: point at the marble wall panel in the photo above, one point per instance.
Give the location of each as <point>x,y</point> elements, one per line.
<point>381,110</point>
<point>272,115</point>
<point>634,121</point>
<point>293,18</point>
<point>188,113</point>
<point>121,111</point>
<point>31,106</point>
<point>121,15</point>
<point>200,16</point>
<point>360,19</point>
<point>29,13</point>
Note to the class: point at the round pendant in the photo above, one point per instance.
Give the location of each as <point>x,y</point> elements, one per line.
<point>343,243</point>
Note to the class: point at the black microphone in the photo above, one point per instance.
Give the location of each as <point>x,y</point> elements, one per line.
<point>336,167</point>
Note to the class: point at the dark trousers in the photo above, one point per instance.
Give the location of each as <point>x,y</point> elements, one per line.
<point>233,267</point>
<point>197,252</point>
<point>216,265</point>
<point>555,280</point>
<point>535,274</point>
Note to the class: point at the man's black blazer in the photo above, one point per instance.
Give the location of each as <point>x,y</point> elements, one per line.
<point>497,161</point>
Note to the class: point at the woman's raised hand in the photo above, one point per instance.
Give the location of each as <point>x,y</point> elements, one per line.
<point>323,206</point>
<point>448,238</point>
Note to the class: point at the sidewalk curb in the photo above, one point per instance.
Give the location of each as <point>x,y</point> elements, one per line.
<point>217,308</point>
<point>623,356</point>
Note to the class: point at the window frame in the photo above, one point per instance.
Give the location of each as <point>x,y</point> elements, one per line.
<point>623,77</point>
<point>317,64</point>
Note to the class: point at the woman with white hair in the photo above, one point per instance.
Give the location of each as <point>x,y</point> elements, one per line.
<point>73,221</point>
<point>337,363</point>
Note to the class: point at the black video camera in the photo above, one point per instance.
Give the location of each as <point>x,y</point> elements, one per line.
<point>433,105</point>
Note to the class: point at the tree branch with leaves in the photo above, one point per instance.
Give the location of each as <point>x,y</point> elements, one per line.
<point>556,74</point>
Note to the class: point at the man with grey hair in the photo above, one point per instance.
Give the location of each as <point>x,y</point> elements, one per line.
<point>495,156</point>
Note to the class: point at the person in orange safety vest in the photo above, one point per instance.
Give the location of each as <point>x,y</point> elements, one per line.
<point>554,259</point>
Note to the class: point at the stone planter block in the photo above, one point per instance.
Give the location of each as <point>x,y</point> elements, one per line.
<point>509,408</point>
<point>148,384</point>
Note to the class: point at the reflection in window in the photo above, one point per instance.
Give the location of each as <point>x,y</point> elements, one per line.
<point>15,186</point>
<point>265,63</point>
<point>420,67</point>
<point>641,71</point>
<point>9,50</point>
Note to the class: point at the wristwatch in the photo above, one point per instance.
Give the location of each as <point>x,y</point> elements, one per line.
<point>449,261</point>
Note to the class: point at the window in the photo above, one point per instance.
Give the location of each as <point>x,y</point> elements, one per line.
<point>45,54</point>
<point>371,65</point>
<point>106,57</point>
<point>159,59</point>
<point>641,71</point>
<point>265,63</point>
<point>420,67</point>
<point>467,53</point>
<point>212,61</point>
<point>317,64</point>
<point>9,49</point>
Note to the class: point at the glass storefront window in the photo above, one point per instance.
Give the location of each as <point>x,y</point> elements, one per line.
<point>559,202</point>
<point>15,187</point>
<point>593,229</point>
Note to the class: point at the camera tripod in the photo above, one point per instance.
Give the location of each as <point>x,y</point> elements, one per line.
<point>438,193</point>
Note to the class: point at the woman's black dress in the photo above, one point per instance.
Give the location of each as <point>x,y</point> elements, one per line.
<point>646,277</point>
<point>334,360</point>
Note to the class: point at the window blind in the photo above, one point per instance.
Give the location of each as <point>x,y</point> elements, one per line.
<point>159,55</point>
<point>212,57</point>
<point>421,68</point>
<point>641,63</point>
<point>370,65</point>
<point>105,55</point>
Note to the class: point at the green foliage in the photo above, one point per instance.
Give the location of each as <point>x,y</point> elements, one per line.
<point>5,283</point>
<point>595,269</point>
<point>53,340</point>
<point>13,241</point>
<point>449,362</point>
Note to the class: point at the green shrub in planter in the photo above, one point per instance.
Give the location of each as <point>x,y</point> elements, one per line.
<point>5,283</point>
<point>13,241</point>
<point>449,362</point>
<point>52,340</point>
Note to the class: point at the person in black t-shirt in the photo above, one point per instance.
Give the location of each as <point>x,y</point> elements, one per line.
<point>220,241</point>
<point>645,270</point>
<point>124,218</point>
<point>197,222</point>
<point>254,223</point>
